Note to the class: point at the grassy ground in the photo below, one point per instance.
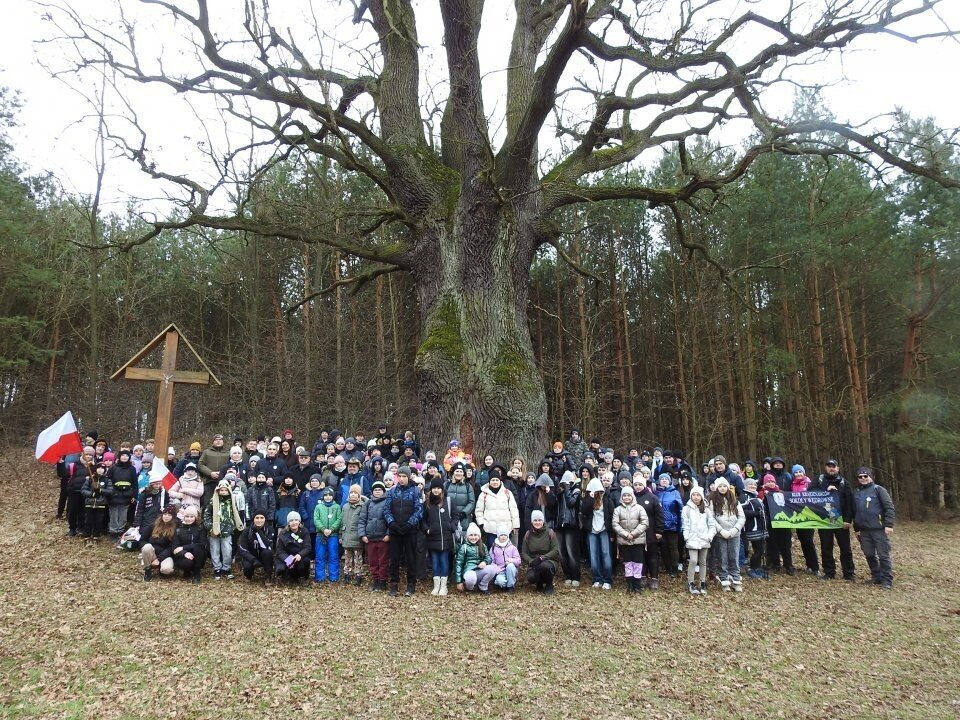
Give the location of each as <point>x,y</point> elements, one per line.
<point>81,636</point>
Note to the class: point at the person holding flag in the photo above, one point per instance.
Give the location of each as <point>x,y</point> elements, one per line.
<point>60,445</point>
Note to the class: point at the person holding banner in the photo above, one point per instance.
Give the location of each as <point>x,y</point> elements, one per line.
<point>801,483</point>
<point>873,522</point>
<point>832,481</point>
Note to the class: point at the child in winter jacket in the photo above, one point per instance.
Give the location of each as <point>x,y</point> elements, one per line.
<point>698,531</point>
<point>801,483</point>
<point>262,498</point>
<point>630,529</point>
<point>121,490</point>
<point>729,519</point>
<point>309,499</point>
<point>188,490</point>
<point>755,526</point>
<point>221,518</point>
<point>505,559</point>
<point>372,528</point>
<point>327,519</point>
<point>95,502</point>
<point>350,538</point>
<point>472,567</point>
<point>288,499</point>
<point>440,521</point>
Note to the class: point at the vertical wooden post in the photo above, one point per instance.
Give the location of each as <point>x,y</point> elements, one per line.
<point>168,367</point>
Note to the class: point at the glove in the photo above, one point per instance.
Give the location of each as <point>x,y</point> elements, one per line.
<point>397,529</point>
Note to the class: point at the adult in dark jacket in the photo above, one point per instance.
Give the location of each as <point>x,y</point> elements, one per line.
<point>237,465</point>
<point>541,553</point>
<point>291,557</point>
<point>756,528</point>
<point>568,528</point>
<point>352,451</point>
<point>403,514</point>
<point>780,546</point>
<point>873,520</point>
<point>190,545</point>
<point>544,499</point>
<point>831,480</point>
<point>255,548</point>
<point>191,456</point>
<point>655,526</point>
<point>560,461</point>
<point>720,470</point>
<point>274,466</point>
<point>211,460</point>
<point>73,474</point>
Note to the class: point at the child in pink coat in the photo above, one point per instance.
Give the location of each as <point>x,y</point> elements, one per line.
<point>506,558</point>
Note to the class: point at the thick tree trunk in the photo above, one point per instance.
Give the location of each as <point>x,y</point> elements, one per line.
<point>475,365</point>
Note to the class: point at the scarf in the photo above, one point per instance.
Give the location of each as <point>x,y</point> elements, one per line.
<point>216,514</point>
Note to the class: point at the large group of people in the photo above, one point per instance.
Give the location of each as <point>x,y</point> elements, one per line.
<point>347,508</point>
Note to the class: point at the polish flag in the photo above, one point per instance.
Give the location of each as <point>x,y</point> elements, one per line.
<point>58,440</point>
<point>159,471</point>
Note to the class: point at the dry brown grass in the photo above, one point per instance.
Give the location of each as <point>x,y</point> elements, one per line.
<point>81,636</point>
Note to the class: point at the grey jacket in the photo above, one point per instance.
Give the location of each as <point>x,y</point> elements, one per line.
<point>874,508</point>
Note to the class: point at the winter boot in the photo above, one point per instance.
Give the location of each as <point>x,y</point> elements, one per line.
<point>694,590</point>
<point>411,586</point>
<point>443,586</point>
<point>148,574</point>
<point>196,577</point>
<point>394,589</point>
<point>436,585</point>
<point>703,588</point>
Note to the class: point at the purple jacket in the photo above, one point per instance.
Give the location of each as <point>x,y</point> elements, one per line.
<point>500,557</point>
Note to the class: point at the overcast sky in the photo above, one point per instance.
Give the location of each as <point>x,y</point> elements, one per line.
<point>882,73</point>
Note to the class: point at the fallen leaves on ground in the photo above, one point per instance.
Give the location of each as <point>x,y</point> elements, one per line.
<point>82,636</point>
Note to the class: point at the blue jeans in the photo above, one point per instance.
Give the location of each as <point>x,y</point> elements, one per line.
<point>508,578</point>
<point>601,561</point>
<point>328,558</point>
<point>440,559</point>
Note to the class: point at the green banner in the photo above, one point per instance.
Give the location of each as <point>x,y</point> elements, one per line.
<point>812,510</point>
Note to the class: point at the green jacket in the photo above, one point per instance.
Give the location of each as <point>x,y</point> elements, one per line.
<point>349,536</point>
<point>468,558</point>
<point>328,517</point>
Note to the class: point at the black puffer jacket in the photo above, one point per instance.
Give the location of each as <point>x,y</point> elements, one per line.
<point>568,508</point>
<point>439,522</point>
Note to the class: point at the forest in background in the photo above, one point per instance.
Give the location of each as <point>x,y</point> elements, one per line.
<point>821,320</point>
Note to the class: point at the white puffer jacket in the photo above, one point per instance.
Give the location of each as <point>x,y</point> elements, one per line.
<point>495,510</point>
<point>698,527</point>
<point>729,524</point>
<point>630,520</point>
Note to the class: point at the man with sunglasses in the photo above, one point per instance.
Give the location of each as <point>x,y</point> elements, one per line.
<point>831,480</point>
<point>873,522</point>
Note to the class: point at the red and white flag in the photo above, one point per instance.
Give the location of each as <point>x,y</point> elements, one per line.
<point>58,440</point>
<point>159,471</point>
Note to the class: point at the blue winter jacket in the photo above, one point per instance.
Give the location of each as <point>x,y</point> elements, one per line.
<point>672,505</point>
<point>309,499</point>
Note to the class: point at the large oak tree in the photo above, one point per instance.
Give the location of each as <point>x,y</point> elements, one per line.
<point>468,193</point>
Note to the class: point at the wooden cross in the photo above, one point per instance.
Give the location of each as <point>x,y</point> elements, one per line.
<point>168,376</point>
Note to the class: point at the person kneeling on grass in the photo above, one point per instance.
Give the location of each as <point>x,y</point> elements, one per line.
<point>190,545</point>
<point>221,518</point>
<point>158,553</point>
<point>293,551</point>
<point>505,558</point>
<point>255,548</point>
<point>541,552</point>
<point>472,567</point>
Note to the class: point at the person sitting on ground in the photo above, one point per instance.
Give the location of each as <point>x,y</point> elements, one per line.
<point>158,553</point>
<point>472,567</point>
<point>505,558</point>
